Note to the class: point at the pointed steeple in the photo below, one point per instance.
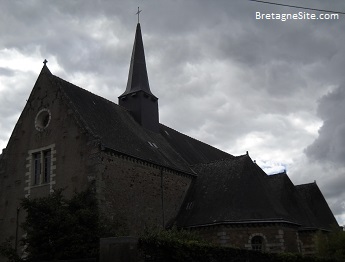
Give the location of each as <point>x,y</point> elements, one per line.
<point>138,98</point>
<point>137,77</point>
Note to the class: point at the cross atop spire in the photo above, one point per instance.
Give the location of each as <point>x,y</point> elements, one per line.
<point>138,13</point>
<point>45,61</point>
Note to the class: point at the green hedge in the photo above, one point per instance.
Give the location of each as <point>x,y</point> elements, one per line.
<point>171,247</point>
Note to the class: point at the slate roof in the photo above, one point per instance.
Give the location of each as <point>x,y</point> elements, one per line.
<point>116,130</point>
<point>321,213</point>
<point>236,190</point>
<point>191,149</point>
<point>231,190</point>
<point>292,206</point>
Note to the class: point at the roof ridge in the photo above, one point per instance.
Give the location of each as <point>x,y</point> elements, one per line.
<point>306,184</point>
<point>280,173</point>
<point>234,158</point>
<point>280,176</point>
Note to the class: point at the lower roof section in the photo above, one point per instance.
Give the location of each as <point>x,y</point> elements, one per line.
<point>236,191</point>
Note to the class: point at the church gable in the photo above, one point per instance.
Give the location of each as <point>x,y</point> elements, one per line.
<point>46,133</point>
<point>47,149</point>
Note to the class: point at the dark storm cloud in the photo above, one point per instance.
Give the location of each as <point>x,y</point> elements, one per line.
<point>70,31</point>
<point>328,150</point>
<point>330,144</point>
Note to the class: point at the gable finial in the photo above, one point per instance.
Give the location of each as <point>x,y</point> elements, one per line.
<point>137,13</point>
<point>45,61</point>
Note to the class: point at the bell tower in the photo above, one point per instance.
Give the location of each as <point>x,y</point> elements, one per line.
<point>137,97</point>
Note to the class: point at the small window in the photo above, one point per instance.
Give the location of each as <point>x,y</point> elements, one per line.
<point>257,243</point>
<point>42,119</point>
<point>41,167</point>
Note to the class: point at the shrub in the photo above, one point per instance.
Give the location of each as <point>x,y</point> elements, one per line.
<point>181,245</point>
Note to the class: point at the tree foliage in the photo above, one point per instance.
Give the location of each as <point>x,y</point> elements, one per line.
<point>332,245</point>
<point>60,228</point>
<point>181,245</point>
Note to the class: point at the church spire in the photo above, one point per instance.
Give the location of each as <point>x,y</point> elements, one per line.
<point>138,98</point>
<point>137,77</point>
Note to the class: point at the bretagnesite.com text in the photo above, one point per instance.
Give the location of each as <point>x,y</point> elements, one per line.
<point>296,16</point>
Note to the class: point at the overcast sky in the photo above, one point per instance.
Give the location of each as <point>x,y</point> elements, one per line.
<point>273,88</point>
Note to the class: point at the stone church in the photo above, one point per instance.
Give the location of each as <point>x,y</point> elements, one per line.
<point>148,174</point>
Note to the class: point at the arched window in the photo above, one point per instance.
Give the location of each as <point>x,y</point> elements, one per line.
<point>257,243</point>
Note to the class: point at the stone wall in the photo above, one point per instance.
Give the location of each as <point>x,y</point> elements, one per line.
<point>139,194</point>
<point>276,237</point>
<point>307,242</point>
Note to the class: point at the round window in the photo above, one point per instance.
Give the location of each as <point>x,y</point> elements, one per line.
<point>42,119</point>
